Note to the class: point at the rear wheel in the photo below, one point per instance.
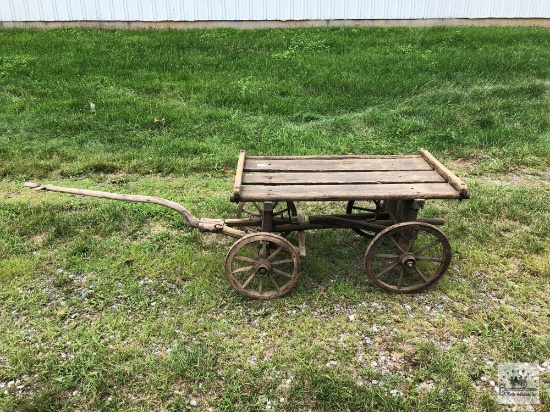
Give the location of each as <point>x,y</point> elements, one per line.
<point>371,208</point>
<point>407,257</point>
<point>255,210</point>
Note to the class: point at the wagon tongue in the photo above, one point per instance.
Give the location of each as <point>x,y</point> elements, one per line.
<point>189,219</point>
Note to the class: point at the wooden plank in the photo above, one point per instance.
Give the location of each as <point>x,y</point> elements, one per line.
<point>309,178</point>
<point>349,192</point>
<point>239,175</point>
<point>333,157</point>
<point>327,165</point>
<point>449,176</point>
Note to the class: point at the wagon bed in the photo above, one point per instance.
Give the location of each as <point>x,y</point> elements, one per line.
<point>312,178</point>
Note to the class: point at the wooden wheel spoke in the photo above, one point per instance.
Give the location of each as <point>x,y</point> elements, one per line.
<point>281,262</point>
<point>245,259</point>
<point>245,284</point>
<point>421,274</point>
<point>411,242</point>
<point>401,278</point>
<point>430,259</point>
<point>263,249</point>
<point>243,269</point>
<point>261,286</point>
<point>387,270</point>
<point>251,213</point>
<point>386,256</point>
<point>396,244</point>
<point>280,272</point>
<point>258,208</point>
<point>281,212</point>
<point>426,247</point>
<point>272,256</point>
<point>254,253</point>
<point>273,281</point>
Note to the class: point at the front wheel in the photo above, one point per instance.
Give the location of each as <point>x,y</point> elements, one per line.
<point>407,257</point>
<point>262,266</point>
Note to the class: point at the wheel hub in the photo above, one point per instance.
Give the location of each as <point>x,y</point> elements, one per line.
<point>408,260</point>
<point>263,267</point>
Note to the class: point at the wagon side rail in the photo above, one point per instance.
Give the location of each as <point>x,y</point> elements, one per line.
<point>449,176</point>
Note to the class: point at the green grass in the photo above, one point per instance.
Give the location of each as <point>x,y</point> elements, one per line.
<point>115,306</point>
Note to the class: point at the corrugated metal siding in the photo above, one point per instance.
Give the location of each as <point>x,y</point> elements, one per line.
<point>243,10</point>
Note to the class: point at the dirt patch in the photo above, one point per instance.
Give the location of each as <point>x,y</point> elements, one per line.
<point>515,178</point>
<point>466,164</point>
<point>158,227</point>
<point>520,179</point>
<point>214,239</point>
<point>38,239</point>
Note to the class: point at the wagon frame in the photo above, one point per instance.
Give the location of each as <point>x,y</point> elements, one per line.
<point>383,194</point>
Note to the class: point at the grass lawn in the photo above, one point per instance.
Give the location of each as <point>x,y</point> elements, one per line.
<point>117,306</point>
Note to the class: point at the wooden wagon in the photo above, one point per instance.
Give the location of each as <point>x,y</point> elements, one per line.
<point>383,195</point>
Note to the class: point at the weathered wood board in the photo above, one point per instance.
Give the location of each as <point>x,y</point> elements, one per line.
<point>323,178</point>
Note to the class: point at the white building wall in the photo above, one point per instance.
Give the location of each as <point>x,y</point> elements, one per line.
<point>257,10</point>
